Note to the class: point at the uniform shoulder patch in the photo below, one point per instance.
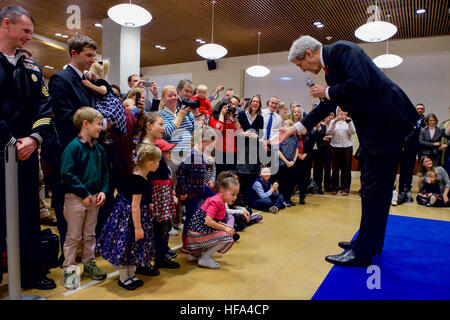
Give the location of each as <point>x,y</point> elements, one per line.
<point>31,66</point>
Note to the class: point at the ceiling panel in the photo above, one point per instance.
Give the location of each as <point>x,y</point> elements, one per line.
<point>177,23</point>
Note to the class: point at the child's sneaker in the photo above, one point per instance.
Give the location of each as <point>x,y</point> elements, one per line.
<point>72,277</point>
<point>273,209</point>
<point>208,262</point>
<point>94,272</point>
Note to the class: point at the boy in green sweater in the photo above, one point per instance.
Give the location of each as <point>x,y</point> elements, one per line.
<point>85,178</point>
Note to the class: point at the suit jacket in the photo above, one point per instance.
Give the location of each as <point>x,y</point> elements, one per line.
<point>427,143</point>
<point>68,95</point>
<point>316,136</point>
<point>382,113</point>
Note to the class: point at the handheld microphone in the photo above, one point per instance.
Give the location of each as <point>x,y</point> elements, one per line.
<point>310,83</point>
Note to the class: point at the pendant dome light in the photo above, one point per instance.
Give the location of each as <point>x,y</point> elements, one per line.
<point>387,61</point>
<point>212,51</point>
<point>129,15</point>
<point>376,31</point>
<point>258,71</point>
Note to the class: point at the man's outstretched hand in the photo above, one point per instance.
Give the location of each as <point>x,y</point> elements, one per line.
<point>284,133</point>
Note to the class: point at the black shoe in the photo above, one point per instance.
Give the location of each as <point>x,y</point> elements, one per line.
<point>42,284</point>
<point>137,282</point>
<point>345,245</point>
<point>130,286</point>
<point>166,263</point>
<point>236,237</point>
<point>348,258</point>
<point>170,254</point>
<point>320,192</point>
<point>147,271</point>
<point>302,201</point>
<point>292,204</point>
<point>287,204</point>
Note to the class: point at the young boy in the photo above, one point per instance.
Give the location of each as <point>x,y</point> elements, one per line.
<point>288,153</point>
<point>85,179</point>
<point>264,195</point>
<point>205,104</point>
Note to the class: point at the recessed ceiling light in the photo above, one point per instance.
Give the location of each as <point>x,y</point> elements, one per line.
<point>317,23</point>
<point>163,48</point>
<point>49,67</point>
<point>329,38</point>
<point>198,40</point>
<point>98,25</point>
<point>320,26</point>
<point>420,11</point>
<point>58,34</point>
<point>157,46</point>
<point>65,36</point>
<point>285,78</point>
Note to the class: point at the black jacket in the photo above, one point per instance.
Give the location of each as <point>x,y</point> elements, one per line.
<point>382,113</point>
<point>25,107</point>
<point>68,95</point>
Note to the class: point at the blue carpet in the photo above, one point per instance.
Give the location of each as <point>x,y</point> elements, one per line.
<point>414,265</point>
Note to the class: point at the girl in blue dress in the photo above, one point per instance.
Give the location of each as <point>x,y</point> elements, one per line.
<point>126,240</point>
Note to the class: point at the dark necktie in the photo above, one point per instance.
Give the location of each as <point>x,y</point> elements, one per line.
<point>269,126</point>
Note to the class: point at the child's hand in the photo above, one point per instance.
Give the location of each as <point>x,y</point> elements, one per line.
<point>152,206</point>
<point>247,215</point>
<point>230,230</point>
<point>210,184</point>
<point>101,198</point>
<point>86,83</point>
<point>290,164</point>
<point>138,234</point>
<point>183,197</point>
<point>275,185</point>
<point>88,201</point>
<point>175,199</point>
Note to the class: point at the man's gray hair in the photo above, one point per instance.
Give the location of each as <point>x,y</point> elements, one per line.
<point>299,47</point>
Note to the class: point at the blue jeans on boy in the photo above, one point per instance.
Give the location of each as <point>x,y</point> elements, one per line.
<point>265,203</point>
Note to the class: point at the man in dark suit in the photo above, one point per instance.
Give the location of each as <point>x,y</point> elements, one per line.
<point>383,115</point>
<point>68,95</point>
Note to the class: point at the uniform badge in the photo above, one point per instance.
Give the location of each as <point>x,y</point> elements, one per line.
<point>44,91</point>
<point>31,66</point>
<point>34,78</point>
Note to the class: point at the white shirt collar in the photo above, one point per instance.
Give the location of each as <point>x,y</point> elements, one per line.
<point>77,71</point>
<point>321,57</point>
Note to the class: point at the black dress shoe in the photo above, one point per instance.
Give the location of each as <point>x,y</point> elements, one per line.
<point>236,237</point>
<point>345,245</point>
<point>128,285</point>
<point>348,258</point>
<point>42,284</point>
<point>137,282</point>
<point>166,263</point>
<point>147,271</point>
<point>171,254</point>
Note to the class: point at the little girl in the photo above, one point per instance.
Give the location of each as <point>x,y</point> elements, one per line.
<point>151,129</point>
<point>126,240</point>
<point>207,232</point>
<point>192,175</point>
<point>429,192</point>
<point>106,101</point>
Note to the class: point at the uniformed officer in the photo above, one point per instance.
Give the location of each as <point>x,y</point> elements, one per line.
<point>25,112</point>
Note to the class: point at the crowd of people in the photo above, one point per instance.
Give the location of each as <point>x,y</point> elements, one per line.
<point>126,172</point>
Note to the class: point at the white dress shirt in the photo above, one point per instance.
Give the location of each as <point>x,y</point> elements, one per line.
<point>276,123</point>
<point>341,132</point>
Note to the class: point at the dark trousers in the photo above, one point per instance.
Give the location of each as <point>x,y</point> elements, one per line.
<point>326,160</point>
<point>317,159</point>
<point>29,219</point>
<point>378,174</point>
<point>407,162</point>
<point>342,167</point>
<point>265,203</point>
<point>285,180</point>
<point>246,181</point>
<point>161,237</point>
<point>303,174</point>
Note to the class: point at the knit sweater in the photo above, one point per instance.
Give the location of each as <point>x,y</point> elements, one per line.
<point>83,168</point>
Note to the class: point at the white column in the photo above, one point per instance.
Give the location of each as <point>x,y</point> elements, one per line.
<point>122,46</point>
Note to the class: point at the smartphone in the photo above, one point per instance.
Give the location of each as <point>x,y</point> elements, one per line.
<point>146,84</point>
<point>138,97</point>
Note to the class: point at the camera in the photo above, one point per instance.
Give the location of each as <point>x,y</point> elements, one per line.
<point>232,110</point>
<point>193,104</point>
